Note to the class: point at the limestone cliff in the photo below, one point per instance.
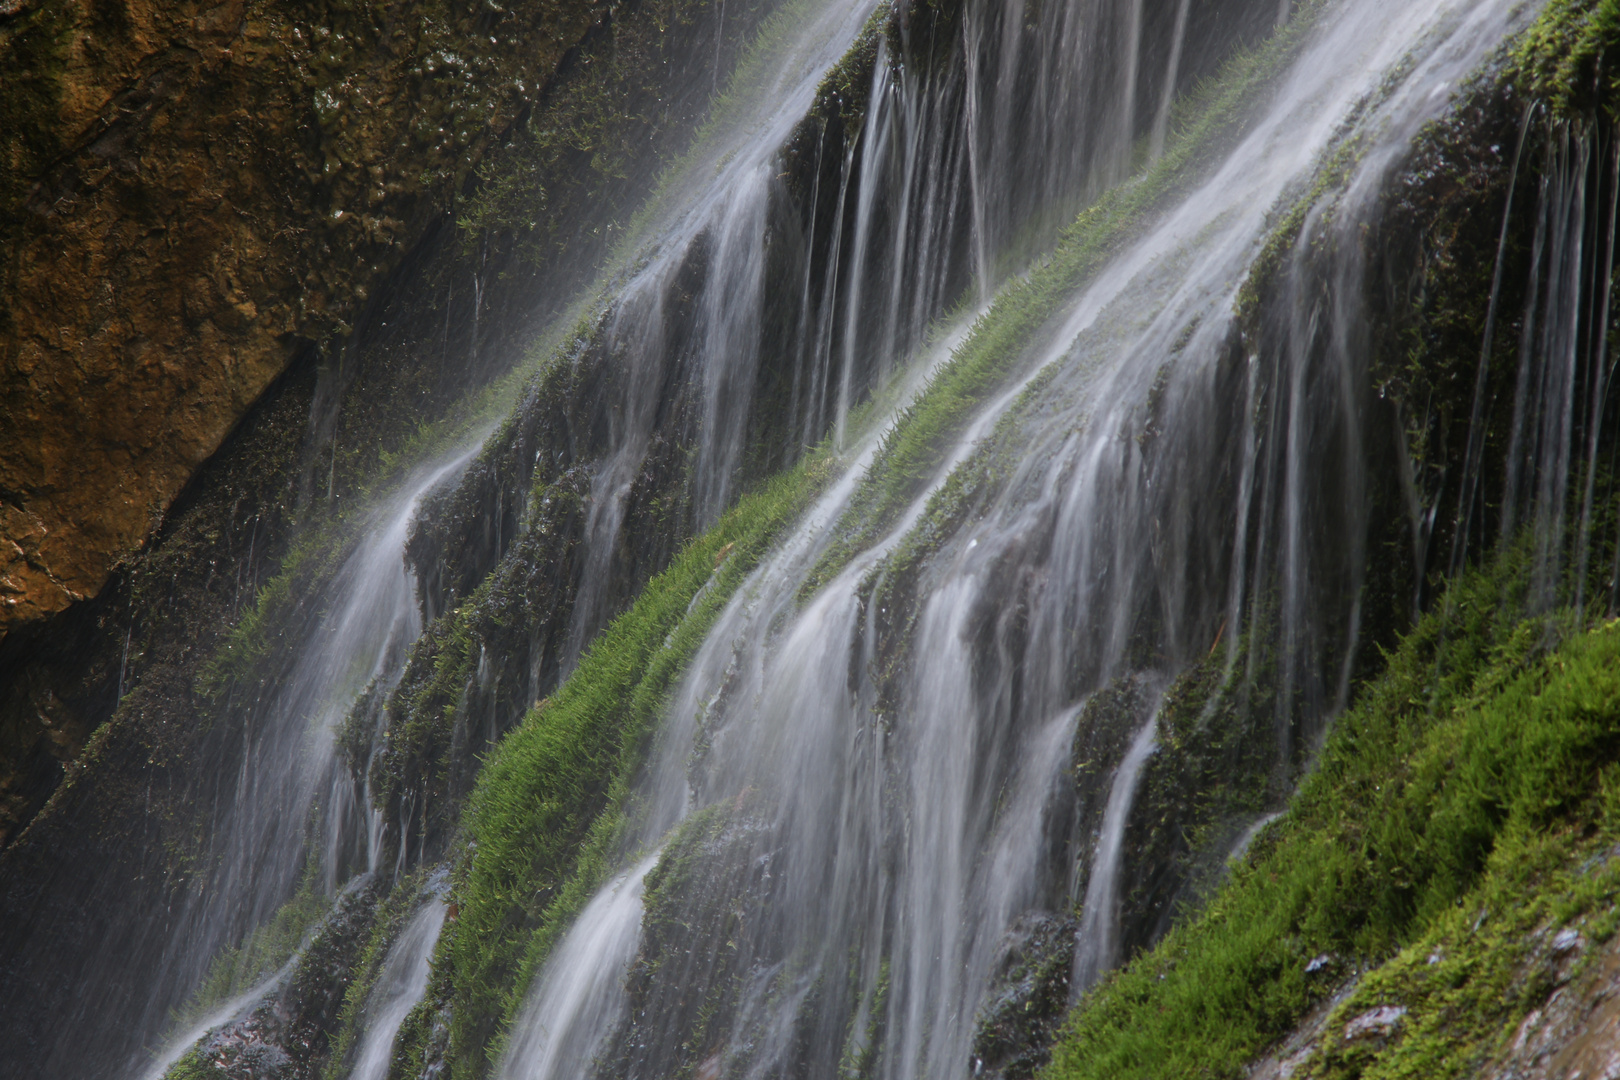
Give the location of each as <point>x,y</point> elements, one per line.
<point>190,195</point>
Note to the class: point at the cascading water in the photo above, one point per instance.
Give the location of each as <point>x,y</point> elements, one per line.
<point>884,765</point>
<point>399,986</point>
<point>1097,948</point>
<point>289,771</point>
<point>287,820</point>
<point>577,1001</point>
<point>889,787</point>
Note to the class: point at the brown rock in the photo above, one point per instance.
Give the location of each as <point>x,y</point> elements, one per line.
<point>190,193</point>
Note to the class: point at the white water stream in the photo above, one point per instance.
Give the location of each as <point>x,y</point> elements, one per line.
<point>900,842</point>
<point>399,987</point>
<point>290,767</point>
<point>913,817</point>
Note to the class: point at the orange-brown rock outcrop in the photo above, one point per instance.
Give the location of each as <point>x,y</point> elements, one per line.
<point>190,193</point>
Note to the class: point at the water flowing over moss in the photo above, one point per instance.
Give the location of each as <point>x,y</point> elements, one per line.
<point>542,826</point>
<point>1474,777</point>
<point>1231,600</point>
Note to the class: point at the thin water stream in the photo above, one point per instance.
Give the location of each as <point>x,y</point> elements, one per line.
<point>290,771</point>
<point>399,987</point>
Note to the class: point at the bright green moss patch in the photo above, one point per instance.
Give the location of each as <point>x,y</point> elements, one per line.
<point>1568,57</point>
<point>1470,768</point>
<point>1487,962</point>
<point>543,825</point>
<point>193,1066</point>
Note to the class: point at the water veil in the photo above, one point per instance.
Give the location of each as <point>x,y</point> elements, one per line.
<point>291,775</point>
<point>859,807</point>
<point>895,785</point>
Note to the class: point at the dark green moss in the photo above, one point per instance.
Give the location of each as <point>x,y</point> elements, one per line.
<point>35,38</point>
<point>1027,1001</point>
<point>1215,770</point>
<point>711,884</point>
<point>1568,58</point>
<point>620,110</point>
<point>392,912</point>
<point>289,1034</point>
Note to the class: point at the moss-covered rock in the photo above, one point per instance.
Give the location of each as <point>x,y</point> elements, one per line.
<point>289,1035</point>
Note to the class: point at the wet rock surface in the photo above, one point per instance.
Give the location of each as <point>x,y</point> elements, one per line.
<point>1027,1001</point>
<point>194,194</point>
<point>1575,1034</point>
<point>288,1037</point>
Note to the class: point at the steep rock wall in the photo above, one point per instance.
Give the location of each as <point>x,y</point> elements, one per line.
<point>193,194</point>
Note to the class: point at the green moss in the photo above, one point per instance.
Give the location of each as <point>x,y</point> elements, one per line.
<point>546,820</point>
<point>1004,336</point>
<point>391,915</point>
<point>330,532</point>
<point>706,886</point>
<point>265,949</point>
<point>1567,58</point>
<point>193,1066</point>
<point>1479,746</point>
<point>1216,769</point>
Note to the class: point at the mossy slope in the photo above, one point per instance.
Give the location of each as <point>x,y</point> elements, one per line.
<point>544,823</point>
<point>1482,758</point>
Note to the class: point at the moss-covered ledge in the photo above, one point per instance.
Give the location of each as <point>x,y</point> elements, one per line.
<point>546,820</point>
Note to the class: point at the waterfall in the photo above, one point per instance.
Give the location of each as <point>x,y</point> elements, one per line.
<point>288,766</point>
<point>869,771</point>
<point>1097,949</point>
<point>577,1003</point>
<point>870,758</point>
<point>399,986</point>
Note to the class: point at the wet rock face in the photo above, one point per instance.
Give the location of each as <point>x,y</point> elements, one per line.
<point>288,1037</point>
<point>190,194</point>
<point>1023,1010</point>
<point>1577,1031</point>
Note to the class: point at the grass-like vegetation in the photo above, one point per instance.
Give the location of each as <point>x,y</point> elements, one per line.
<point>1566,58</point>
<point>263,951</point>
<point>546,821</point>
<point>1470,779</point>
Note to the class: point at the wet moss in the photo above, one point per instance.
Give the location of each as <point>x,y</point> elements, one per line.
<point>1477,740</point>
<point>391,915</point>
<point>1568,58</point>
<point>621,109</point>
<point>1027,1001</point>
<point>289,1034</point>
<point>265,949</point>
<point>713,882</point>
<point>1215,770</point>
<point>545,821</point>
